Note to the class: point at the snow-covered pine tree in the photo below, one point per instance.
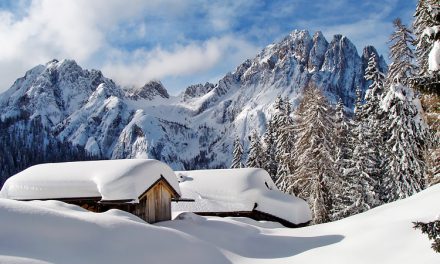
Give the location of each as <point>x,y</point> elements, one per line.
<point>256,154</point>
<point>376,87</point>
<point>269,150</point>
<point>401,54</point>
<point>405,170</point>
<point>358,104</point>
<point>372,129</point>
<point>427,31</point>
<point>342,136</point>
<point>315,173</point>
<point>343,159</point>
<point>358,191</point>
<point>422,20</point>
<point>284,151</point>
<point>432,158</point>
<point>237,155</point>
<point>432,229</point>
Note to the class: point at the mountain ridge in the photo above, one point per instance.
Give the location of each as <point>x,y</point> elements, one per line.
<point>194,129</point>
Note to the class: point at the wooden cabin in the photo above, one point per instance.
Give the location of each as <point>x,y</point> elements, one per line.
<point>139,186</point>
<point>248,192</point>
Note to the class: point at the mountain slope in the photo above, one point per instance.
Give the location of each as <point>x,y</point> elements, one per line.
<point>194,129</point>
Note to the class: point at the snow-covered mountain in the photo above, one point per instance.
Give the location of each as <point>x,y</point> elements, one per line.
<point>196,128</point>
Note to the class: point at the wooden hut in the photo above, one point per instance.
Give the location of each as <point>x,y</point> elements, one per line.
<point>139,186</point>
<point>248,192</point>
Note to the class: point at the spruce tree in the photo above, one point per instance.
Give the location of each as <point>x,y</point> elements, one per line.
<point>372,129</point>
<point>256,155</point>
<point>359,189</point>
<point>285,136</point>
<point>432,158</point>
<point>237,155</point>
<point>315,173</point>
<point>422,20</point>
<point>432,230</point>
<point>405,170</point>
<point>269,150</point>
<point>401,54</point>
<point>342,136</point>
<point>426,24</point>
<point>358,104</point>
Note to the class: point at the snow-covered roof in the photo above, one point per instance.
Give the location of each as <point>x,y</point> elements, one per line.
<point>232,190</point>
<point>110,179</point>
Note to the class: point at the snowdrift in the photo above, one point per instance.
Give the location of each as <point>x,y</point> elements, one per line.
<point>55,232</point>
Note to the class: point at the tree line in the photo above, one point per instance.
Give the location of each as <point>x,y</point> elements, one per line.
<point>24,143</point>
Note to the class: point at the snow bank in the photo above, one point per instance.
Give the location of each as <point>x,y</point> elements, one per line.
<point>55,232</point>
<point>232,190</point>
<point>109,179</point>
<point>382,235</point>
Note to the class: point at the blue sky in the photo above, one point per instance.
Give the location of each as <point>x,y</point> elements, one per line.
<point>177,42</point>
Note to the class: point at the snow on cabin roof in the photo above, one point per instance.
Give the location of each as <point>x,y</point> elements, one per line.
<point>109,179</point>
<point>232,190</point>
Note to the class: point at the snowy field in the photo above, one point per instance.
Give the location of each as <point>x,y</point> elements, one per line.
<point>54,232</point>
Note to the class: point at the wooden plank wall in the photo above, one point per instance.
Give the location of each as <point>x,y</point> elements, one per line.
<point>158,203</point>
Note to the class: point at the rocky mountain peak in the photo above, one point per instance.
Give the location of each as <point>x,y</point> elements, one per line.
<point>149,91</point>
<point>366,54</point>
<point>317,51</point>
<point>197,90</point>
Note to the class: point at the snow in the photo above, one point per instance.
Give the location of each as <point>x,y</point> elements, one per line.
<point>55,232</point>
<point>231,190</point>
<point>434,57</point>
<point>109,179</point>
<point>434,54</point>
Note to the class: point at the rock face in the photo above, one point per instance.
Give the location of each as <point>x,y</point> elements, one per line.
<point>196,128</point>
<point>149,91</point>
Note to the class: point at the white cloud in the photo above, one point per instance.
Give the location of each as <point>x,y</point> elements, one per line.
<point>141,66</point>
<point>83,30</point>
<point>73,29</point>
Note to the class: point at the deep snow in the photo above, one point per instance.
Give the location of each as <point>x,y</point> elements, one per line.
<point>241,190</point>
<point>109,179</point>
<point>55,232</point>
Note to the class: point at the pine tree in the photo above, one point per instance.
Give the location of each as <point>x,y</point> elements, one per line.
<point>342,136</point>
<point>269,150</point>
<point>432,229</point>
<point>405,170</point>
<point>358,104</point>
<point>426,23</point>
<point>256,154</point>
<point>284,152</point>
<point>359,189</point>
<point>401,54</point>
<point>314,147</point>
<point>237,155</point>
<point>372,128</point>
<point>422,20</point>
<point>375,89</point>
<point>432,158</point>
